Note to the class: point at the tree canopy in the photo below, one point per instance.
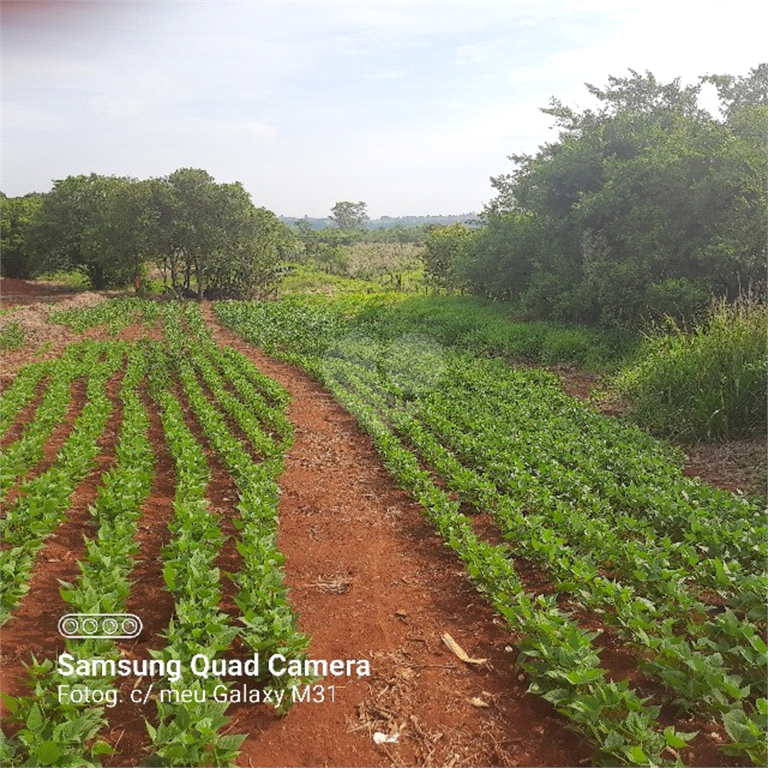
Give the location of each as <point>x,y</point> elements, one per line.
<point>16,217</point>
<point>346,215</point>
<point>202,235</point>
<point>645,205</point>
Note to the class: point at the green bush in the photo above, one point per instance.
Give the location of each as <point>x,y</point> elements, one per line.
<point>704,383</point>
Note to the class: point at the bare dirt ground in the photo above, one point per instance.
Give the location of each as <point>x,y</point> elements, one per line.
<point>14,291</point>
<point>371,579</point>
<point>33,303</point>
<point>33,626</point>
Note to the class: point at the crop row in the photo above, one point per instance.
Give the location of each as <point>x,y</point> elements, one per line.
<point>217,387</point>
<point>187,734</point>
<point>558,655</point>
<point>116,314</point>
<point>43,501</point>
<point>21,392</point>
<point>27,451</point>
<point>268,621</point>
<point>623,474</point>
<point>54,730</point>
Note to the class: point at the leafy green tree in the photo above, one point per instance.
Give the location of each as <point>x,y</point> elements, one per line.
<point>248,266</point>
<point>446,249</point>
<point>645,205</point>
<point>209,237</point>
<point>738,93</point>
<point>201,234</point>
<point>349,216</point>
<point>16,217</point>
<point>499,262</point>
<point>197,227</point>
<point>76,227</point>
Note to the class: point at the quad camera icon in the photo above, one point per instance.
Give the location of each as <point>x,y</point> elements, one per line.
<point>112,626</point>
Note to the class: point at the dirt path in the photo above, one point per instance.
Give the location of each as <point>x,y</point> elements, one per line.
<point>371,580</point>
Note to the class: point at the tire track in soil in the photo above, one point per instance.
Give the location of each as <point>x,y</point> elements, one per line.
<point>33,626</point>
<point>371,579</point>
<point>56,439</point>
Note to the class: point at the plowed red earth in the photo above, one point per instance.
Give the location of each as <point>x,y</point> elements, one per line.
<point>369,580</point>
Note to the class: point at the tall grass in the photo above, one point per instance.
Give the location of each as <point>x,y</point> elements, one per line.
<point>703,383</point>
<point>310,324</point>
<point>485,328</point>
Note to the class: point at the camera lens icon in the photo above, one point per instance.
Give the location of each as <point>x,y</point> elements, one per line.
<point>113,626</point>
<point>110,626</point>
<point>69,626</point>
<point>89,626</point>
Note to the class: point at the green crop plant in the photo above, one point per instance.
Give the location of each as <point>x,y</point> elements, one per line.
<point>21,392</point>
<point>12,337</point>
<point>116,314</point>
<point>28,450</point>
<point>102,587</point>
<point>43,501</point>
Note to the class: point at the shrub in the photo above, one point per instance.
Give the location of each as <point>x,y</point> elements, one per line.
<point>704,383</point>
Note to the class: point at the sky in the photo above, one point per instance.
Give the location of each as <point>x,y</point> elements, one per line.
<point>409,107</point>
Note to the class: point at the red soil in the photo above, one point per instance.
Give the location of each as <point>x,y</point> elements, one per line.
<point>14,291</point>
<point>371,579</point>
<point>32,629</point>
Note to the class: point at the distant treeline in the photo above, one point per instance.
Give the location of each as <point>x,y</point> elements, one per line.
<point>387,222</point>
<point>645,206</point>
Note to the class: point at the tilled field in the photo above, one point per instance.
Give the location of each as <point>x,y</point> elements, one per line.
<point>163,467</point>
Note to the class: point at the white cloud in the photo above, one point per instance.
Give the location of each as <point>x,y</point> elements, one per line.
<point>671,40</point>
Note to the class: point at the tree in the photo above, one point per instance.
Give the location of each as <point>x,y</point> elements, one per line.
<point>349,216</point>
<point>211,237</point>
<point>201,234</point>
<point>737,93</point>
<point>17,215</point>
<point>500,261</point>
<point>248,266</point>
<point>643,206</point>
<point>445,250</point>
<point>78,226</point>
